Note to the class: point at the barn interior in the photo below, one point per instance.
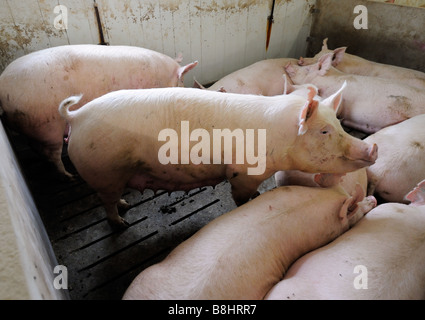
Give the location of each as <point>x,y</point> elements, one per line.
<point>47,222</point>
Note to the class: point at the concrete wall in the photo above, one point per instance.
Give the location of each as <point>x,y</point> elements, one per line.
<point>26,257</point>
<point>394,35</point>
<point>223,35</point>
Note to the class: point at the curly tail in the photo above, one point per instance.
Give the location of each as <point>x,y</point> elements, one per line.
<point>66,104</point>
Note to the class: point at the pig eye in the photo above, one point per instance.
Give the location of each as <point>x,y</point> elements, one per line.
<point>325,130</point>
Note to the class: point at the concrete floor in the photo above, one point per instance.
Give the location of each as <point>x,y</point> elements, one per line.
<point>102,262</point>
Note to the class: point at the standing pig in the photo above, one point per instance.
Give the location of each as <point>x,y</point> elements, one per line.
<point>387,248</point>
<point>261,78</point>
<point>371,104</point>
<point>349,63</point>
<point>401,163</point>
<point>32,87</point>
<point>243,253</point>
<point>117,140</point>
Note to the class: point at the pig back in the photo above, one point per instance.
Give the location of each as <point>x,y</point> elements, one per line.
<point>56,73</point>
<point>388,243</point>
<point>277,227</point>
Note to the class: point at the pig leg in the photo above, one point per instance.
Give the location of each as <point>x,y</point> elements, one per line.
<point>111,201</point>
<point>47,140</point>
<point>123,206</point>
<point>52,151</point>
<point>243,188</point>
<point>54,154</point>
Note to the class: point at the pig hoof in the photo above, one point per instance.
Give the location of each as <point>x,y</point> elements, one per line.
<point>64,176</point>
<point>119,225</point>
<point>124,204</point>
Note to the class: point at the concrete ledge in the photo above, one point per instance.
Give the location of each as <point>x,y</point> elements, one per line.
<point>26,255</point>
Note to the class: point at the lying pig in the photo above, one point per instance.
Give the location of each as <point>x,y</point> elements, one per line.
<point>32,87</point>
<point>261,78</point>
<point>371,104</point>
<point>349,63</point>
<point>348,181</point>
<point>243,253</point>
<point>401,163</point>
<point>117,140</point>
<point>381,257</point>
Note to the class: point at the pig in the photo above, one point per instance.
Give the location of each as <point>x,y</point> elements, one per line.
<point>32,86</point>
<point>261,78</point>
<point>116,140</point>
<point>353,64</point>
<point>347,181</point>
<point>401,163</point>
<point>371,104</point>
<point>381,257</point>
<point>243,253</point>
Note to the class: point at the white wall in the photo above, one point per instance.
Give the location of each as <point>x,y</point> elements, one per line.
<point>223,35</point>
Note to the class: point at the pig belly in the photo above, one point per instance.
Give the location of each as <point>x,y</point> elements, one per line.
<point>172,181</point>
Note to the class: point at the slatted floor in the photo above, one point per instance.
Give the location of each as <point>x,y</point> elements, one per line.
<point>101,263</point>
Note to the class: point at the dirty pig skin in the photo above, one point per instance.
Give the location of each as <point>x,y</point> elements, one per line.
<point>53,74</point>
<point>114,140</point>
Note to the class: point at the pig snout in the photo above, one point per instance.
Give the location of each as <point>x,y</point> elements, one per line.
<point>363,155</point>
<point>372,153</point>
<point>369,203</point>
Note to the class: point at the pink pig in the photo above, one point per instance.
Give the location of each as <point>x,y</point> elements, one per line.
<point>381,257</point>
<point>243,253</point>
<point>371,103</point>
<point>262,78</point>
<point>32,87</point>
<point>401,163</point>
<point>350,63</point>
<point>115,140</point>
<point>348,181</point>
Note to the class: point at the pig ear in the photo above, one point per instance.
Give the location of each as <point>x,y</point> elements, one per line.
<point>334,101</point>
<point>301,61</point>
<point>197,85</point>
<point>182,70</point>
<point>325,44</point>
<point>338,56</point>
<point>285,84</point>
<point>325,63</point>
<point>307,111</point>
<point>290,70</point>
<point>288,85</point>
<point>417,195</point>
<point>290,88</point>
<point>350,206</point>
